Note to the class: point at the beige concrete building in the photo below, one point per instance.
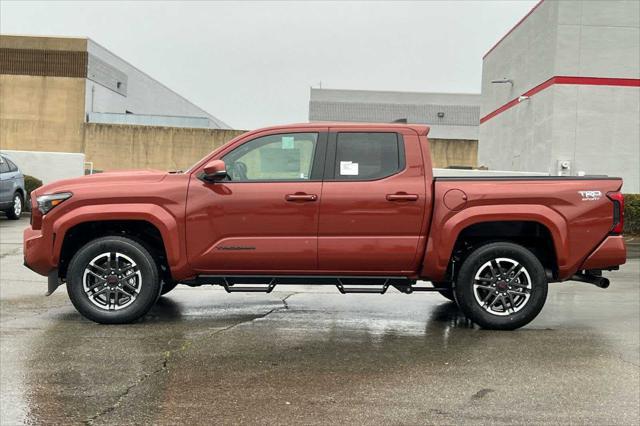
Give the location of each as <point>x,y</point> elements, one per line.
<point>72,95</point>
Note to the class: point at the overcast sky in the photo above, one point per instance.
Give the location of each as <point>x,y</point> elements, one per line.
<point>251,64</point>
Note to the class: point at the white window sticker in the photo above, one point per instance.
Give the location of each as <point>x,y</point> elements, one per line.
<point>348,168</point>
<point>288,142</point>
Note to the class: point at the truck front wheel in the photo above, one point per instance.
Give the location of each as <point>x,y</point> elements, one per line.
<point>113,280</point>
<point>501,286</point>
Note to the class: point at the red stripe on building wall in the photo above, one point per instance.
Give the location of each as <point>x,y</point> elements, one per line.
<point>598,81</point>
<point>583,81</point>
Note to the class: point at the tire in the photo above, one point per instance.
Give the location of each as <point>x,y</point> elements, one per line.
<point>448,293</point>
<point>16,208</point>
<point>167,287</point>
<point>113,295</point>
<point>495,296</point>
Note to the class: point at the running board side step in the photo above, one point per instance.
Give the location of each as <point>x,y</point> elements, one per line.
<point>231,287</point>
<point>402,288</point>
<point>249,289</point>
<point>369,289</point>
<point>344,284</point>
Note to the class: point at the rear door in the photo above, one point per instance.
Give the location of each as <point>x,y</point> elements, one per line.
<point>373,202</point>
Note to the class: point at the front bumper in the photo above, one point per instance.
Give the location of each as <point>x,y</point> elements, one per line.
<point>610,253</point>
<point>37,252</point>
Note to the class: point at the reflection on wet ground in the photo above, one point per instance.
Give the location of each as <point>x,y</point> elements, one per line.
<point>313,356</point>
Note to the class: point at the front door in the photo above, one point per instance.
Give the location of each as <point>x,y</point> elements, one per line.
<point>264,217</point>
<point>373,203</point>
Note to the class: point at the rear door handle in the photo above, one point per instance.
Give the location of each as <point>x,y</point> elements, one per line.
<point>402,197</point>
<point>300,197</point>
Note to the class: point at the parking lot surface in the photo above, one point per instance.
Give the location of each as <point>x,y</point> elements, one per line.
<point>310,355</point>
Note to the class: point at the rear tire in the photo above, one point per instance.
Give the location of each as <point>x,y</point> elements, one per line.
<point>501,286</point>
<point>16,208</point>
<point>113,280</point>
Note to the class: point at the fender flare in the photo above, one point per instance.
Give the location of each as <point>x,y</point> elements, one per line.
<point>155,215</point>
<point>444,235</point>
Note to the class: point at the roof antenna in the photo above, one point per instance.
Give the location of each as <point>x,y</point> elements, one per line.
<point>400,120</point>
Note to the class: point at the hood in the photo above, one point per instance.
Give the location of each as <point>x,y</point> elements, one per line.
<point>106,178</point>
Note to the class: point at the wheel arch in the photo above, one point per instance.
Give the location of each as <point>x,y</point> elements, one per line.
<point>490,224</point>
<point>150,225</point>
<point>532,235</point>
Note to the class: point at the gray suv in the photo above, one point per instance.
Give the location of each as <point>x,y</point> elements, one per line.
<point>12,192</point>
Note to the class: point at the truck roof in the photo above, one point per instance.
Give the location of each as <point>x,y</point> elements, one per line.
<point>421,129</point>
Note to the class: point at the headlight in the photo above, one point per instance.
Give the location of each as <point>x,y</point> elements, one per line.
<point>47,202</point>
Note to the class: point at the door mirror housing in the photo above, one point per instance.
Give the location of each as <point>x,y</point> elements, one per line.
<point>215,170</point>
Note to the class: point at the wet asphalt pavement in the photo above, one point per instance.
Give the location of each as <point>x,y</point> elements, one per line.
<point>311,355</point>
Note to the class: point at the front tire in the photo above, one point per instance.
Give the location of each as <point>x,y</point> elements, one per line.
<point>15,210</point>
<point>501,286</point>
<point>113,280</point>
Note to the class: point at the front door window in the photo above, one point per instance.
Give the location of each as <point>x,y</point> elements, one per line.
<point>282,157</point>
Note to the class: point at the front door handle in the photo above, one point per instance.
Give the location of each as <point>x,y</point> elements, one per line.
<point>300,197</point>
<point>401,196</point>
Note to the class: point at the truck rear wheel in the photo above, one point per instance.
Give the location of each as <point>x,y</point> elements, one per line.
<point>113,280</point>
<point>501,286</point>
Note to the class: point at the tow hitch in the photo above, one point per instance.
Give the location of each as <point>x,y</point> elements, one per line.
<point>592,277</point>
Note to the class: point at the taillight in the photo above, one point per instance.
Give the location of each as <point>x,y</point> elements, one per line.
<point>618,211</point>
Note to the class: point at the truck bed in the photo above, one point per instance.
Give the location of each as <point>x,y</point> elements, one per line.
<point>575,210</point>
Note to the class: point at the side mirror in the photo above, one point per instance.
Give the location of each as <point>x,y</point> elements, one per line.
<point>215,170</point>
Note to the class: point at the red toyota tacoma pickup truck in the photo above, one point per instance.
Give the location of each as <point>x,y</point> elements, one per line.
<point>350,205</point>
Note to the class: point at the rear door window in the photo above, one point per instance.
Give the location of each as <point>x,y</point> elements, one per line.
<point>368,156</point>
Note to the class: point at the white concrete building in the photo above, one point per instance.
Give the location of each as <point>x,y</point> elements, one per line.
<point>119,93</point>
<point>561,92</point>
